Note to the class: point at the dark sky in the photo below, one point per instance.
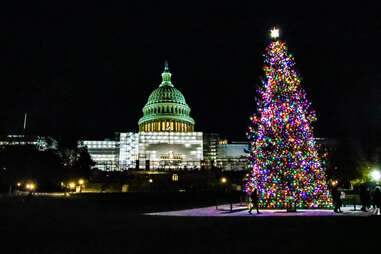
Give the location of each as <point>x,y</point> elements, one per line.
<point>86,68</point>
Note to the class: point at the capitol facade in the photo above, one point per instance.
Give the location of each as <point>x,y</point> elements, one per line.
<point>166,137</point>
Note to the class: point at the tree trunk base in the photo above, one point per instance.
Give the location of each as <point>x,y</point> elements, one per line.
<point>291,209</point>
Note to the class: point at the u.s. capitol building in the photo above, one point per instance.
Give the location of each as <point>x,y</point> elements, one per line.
<point>166,139</point>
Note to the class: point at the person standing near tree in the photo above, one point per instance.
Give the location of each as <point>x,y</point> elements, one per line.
<point>336,199</point>
<point>254,200</point>
<point>377,200</point>
<point>364,197</point>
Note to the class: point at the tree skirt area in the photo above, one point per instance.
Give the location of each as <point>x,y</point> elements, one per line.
<point>242,211</point>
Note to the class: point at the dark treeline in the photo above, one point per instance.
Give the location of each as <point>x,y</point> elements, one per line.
<point>48,168</point>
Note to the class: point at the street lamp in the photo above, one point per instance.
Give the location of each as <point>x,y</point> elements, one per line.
<point>30,186</point>
<point>375,175</point>
<point>224,180</point>
<point>72,186</point>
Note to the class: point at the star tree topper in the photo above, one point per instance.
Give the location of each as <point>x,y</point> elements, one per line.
<point>274,33</point>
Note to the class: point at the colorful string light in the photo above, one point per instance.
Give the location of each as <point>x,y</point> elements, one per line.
<point>286,168</point>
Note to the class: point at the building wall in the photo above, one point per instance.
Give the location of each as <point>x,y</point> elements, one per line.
<point>170,150</point>
<point>232,156</point>
<point>163,150</point>
<point>128,150</point>
<point>105,153</point>
<point>210,141</point>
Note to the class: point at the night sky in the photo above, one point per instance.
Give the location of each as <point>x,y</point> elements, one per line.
<point>85,69</point>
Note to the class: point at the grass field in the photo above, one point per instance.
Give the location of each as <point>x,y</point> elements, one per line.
<point>115,224</point>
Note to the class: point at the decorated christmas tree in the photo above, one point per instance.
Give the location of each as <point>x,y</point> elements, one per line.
<point>285,164</point>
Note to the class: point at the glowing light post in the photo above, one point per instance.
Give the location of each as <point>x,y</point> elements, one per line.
<point>223,181</point>
<point>81,183</point>
<point>375,174</point>
<point>71,186</point>
<point>150,181</point>
<point>30,187</point>
<point>231,191</point>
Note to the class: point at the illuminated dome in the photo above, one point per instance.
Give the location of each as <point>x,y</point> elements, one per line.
<point>166,109</point>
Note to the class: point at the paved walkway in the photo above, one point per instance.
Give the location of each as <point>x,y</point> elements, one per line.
<point>242,211</point>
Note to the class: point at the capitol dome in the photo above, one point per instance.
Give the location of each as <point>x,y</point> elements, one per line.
<point>166,109</point>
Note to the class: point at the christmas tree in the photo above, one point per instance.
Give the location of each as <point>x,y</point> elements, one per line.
<point>285,164</point>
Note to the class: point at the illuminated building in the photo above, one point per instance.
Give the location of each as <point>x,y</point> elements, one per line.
<point>41,142</point>
<point>171,150</point>
<point>105,153</point>
<point>166,131</point>
<point>232,156</point>
<point>210,141</point>
<point>166,138</point>
<point>128,150</point>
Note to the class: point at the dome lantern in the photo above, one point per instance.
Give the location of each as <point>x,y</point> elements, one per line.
<point>166,76</point>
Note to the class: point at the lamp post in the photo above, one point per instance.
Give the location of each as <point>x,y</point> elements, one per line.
<point>375,175</point>
<point>150,180</point>
<point>226,185</point>
<point>81,183</point>
<point>223,181</point>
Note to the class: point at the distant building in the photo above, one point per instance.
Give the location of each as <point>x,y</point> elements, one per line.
<point>232,156</point>
<point>327,144</point>
<point>104,153</point>
<point>210,142</point>
<point>41,142</point>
